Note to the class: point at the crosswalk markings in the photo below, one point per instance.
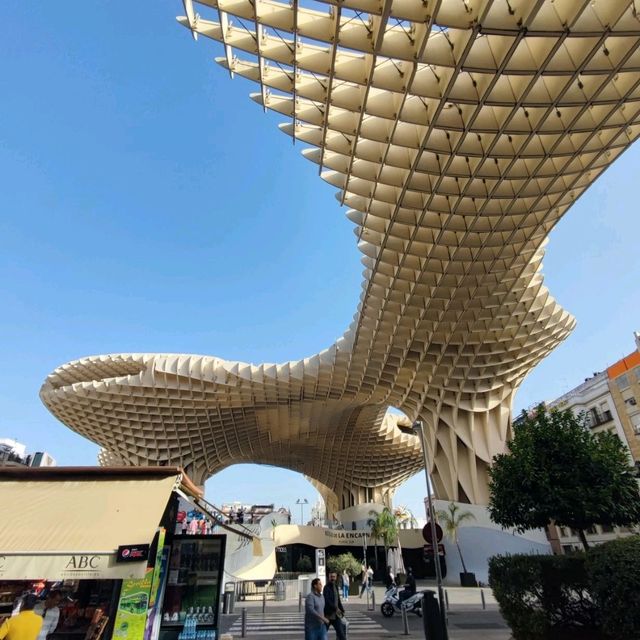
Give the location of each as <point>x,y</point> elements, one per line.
<point>283,624</point>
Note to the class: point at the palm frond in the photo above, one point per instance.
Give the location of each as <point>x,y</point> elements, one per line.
<point>466,515</point>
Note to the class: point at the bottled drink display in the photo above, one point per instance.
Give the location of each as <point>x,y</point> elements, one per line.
<point>191,632</point>
<point>192,591</point>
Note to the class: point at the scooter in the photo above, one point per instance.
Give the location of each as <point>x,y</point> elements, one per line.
<point>392,603</point>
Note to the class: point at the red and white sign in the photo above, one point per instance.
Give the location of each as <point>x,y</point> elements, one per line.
<point>426,532</point>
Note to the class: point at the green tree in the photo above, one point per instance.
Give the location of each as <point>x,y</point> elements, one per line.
<point>451,520</point>
<point>345,562</point>
<point>556,470</point>
<point>384,526</point>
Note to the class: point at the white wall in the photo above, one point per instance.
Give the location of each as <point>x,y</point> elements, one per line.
<point>479,540</point>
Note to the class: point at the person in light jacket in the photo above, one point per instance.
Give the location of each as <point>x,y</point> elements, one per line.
<point>315,622</point>
<point>345,586</point>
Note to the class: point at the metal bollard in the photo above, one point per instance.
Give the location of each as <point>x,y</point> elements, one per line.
<point>484,604</point>
<point>243,632</point>
<point>405,621</point>
<point>371,601</point>
<point>264,601</point>
<point>299,601</point>
<point>446,599</point>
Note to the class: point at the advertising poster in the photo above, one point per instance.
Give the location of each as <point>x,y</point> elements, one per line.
<point>155,612</point>
<point>137,597</point>
<point>157,574</point>
<point>131,616</point>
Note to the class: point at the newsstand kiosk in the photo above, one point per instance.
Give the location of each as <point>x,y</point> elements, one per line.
<point>128,547</point>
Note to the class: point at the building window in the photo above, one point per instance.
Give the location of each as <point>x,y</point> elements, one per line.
<point>592,530</point>
<point>605,412</point>
<point>596,417</point>
<point>606,528</point>
<point>622,382</point>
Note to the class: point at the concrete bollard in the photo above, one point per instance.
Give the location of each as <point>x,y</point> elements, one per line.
<point>405,621</point>
<point>243,628</point>
<point>484,604</point>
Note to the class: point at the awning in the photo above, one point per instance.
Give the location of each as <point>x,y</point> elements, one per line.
<point>68,524</point>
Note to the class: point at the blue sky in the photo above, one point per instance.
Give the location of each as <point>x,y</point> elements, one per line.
<point>146,204</point>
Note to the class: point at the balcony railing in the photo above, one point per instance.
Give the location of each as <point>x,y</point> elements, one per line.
<point>600,418</point>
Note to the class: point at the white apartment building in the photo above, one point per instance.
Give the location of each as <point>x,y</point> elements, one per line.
<point>593,397</point>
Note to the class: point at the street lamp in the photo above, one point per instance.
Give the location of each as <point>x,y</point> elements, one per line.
<point>302,502</point>
<point>417,429</point>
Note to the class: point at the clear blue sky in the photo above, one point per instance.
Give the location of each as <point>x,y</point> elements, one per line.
<point>146,204</point>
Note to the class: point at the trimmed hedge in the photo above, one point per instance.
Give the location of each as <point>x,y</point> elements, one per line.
<point>614,570</point>
<point>544,597</point>
<point>592,596</point>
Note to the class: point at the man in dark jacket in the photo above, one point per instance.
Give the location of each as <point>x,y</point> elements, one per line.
<point>333,609</point>
<point>409,587</point>
<point>411,581</point>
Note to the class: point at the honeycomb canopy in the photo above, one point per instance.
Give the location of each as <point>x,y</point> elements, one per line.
<point>457,133</point>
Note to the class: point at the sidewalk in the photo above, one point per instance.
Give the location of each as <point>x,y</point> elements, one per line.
<point>468,598</point>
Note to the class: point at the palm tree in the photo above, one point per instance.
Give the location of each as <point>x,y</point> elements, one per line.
<point>451,519</point>
<point>384,526</point>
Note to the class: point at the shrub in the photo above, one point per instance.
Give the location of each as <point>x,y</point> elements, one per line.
<point>345,562</point>
<point>545,597</point>
<point>614,573</point>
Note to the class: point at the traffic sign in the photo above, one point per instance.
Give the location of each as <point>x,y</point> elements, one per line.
<point>426,532</point>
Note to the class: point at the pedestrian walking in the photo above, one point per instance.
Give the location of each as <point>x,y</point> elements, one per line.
<point>26,625</point>
<point>364,579</point>
<point>345,586</point>
<point>315,622</point>
<point>333,609</point>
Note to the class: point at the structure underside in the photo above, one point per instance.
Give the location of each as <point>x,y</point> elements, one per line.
<point>457,132</point>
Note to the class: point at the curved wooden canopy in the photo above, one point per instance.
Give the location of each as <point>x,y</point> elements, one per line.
<point>458,132</point>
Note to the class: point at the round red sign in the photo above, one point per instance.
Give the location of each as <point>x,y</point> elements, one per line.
<point>426,532</point>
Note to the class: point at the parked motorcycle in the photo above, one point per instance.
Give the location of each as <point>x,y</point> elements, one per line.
<point>392,603</point>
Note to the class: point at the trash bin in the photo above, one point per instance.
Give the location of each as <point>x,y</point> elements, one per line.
<point>431,617</point>
<point>281,591</point>
<point>229,597</point>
